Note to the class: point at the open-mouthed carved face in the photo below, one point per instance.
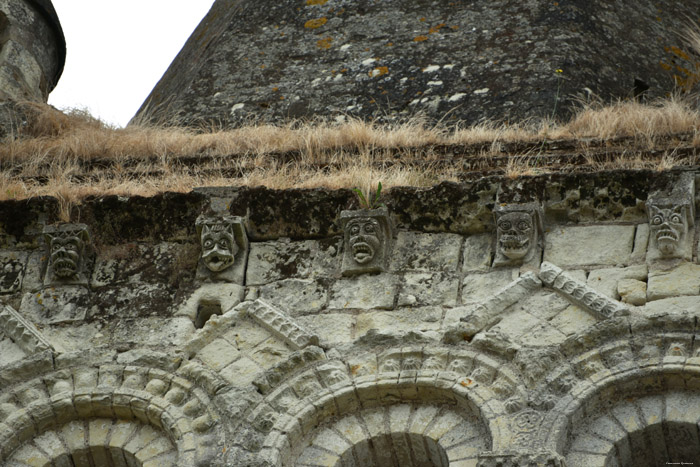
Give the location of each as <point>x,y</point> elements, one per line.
<point>218,247</point>
<point>364,239</point>
<point>515,234</point>
<point>669,226</point>
<point>66,254</point>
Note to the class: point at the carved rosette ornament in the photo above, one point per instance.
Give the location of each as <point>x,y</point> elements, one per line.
<point>368,240</point>
<point>69,249</point>
<point>518,233</point>
<point>224,245</point>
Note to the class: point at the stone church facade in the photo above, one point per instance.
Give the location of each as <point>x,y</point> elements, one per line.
<point>547,320</point>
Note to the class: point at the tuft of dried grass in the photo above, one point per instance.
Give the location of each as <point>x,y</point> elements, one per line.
<point>72,155</point>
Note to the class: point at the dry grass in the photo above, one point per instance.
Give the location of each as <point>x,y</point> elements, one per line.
<point>72,155</point>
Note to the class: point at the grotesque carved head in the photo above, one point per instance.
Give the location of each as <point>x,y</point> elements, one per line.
<point>66,245</point>
<point>218,246</point>
<point>364,238</point>
<point>517,232</point>
<point>368,236</point>
<point>669,226</point>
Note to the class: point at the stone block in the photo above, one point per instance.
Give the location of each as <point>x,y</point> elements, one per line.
<point>595,244</point>
<point>241,372</point>
<point>137,263</point>
<point>247,334</point>
<point>218,354</point>
<point>425,288</point>
<point>365,292</point>
<point>57,305</point>
<point>477,287</point>
<point>573,320</point>
<point>296,296</point>
<point>269,352</point>
<point>632,291</point>
<point>331,328</point>
<point>478,253</point>
<point>641,242</point>
<point>606,280</point>
<point>401,320</point>
<point>673,305</point>
<point>683,279</point>
<point>426,252</point>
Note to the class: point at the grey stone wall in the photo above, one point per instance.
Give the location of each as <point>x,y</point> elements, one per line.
<point>121,346</point>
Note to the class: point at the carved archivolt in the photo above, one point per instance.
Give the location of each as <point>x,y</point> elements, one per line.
<point>151,404</point>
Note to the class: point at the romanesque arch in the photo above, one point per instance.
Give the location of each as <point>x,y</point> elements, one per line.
<point>406,406</point>
<point>106,413</point>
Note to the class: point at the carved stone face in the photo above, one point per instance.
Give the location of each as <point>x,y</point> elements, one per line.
<point>669,226</point>
<point>516,234</point>
<point>364,239</point>
<point>219,246</point>
<point>66,254</point>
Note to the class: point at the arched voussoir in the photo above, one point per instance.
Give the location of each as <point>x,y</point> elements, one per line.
<point>635,415</point>
<point>158,406</point>
<point>471,385</point>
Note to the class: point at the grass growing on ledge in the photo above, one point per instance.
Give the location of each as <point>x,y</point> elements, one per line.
<point>73,155</point>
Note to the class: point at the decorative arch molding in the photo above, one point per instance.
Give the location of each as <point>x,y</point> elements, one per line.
<point>653,399</point>
<point>118,393</point>
<point>303,396</point>
<point>101,442</point>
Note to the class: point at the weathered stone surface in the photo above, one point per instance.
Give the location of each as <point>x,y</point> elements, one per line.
<point>477,287</point>
<point>57,305</point>
<point>424,288</point>
<point>140,262</point>
<point>331,328</point>
<point>632,291</point>
<point>683,279</point>
<point>296,296</point>
<point>450,61</point>
<point>271,261</point>
<point>33,52</point>
<point>478,251</point>
<point>12,267</point>
<point>596,244</point>
<point>606,280</point>
<point>366,291</point>
<point>572,320</point>
<point>401,320</point>
<point>426,252</point>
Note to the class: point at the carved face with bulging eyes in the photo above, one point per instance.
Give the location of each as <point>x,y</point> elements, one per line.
<point>218,247</point>
<point>364,235</point>
<point>669,226</point>
<point>515,234</point>
<point>65,256</point>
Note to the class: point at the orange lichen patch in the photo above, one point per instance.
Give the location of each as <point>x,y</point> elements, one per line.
<point>324,43</point>
<point>379,71</point>
<point>665,66</point>
<point>420,38</point>
<point>454,28</point>
<point>315,23</point>
<point>677,52</point>
<point>422,19</point>
<point>466,383</point>
<point>275,89</point>
<point>354,369</point>
<point>316,2</point>
<point>436,28</point>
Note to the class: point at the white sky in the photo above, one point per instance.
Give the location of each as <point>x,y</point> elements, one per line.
<point>117,51</point>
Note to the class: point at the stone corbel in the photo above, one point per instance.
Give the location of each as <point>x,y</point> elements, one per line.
<point>69,254</point>
<point>368,240</point>
<point>224,244</point>
<point>519,233</point>
<point>671,214</point>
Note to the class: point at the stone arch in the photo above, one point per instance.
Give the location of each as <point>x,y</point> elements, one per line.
<point>100,442</point>
<point>162,408</point>
<point>400,435</point>
<point>643,415</point>
<point>300,403</point>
